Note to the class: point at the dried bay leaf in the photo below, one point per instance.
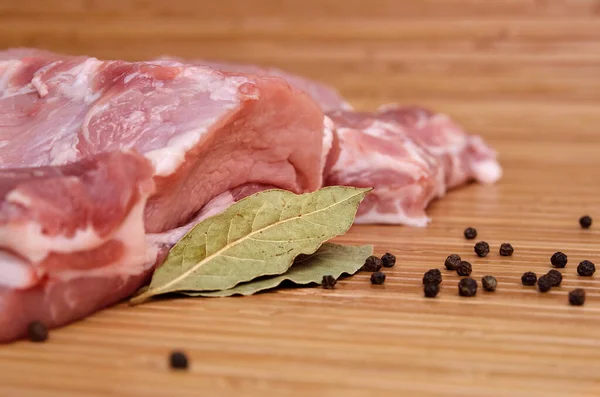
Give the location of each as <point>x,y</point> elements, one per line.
<point>330,259</point>
<point>257,236</point>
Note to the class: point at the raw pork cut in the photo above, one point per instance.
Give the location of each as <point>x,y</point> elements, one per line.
<point>409,154</point>
<point>71,239</point>
<point>327,97</point>
<point>69,125</point>
<point>104,165</point>
<point>464,157</point>
<point>205,131</point>
<point>368,152</point>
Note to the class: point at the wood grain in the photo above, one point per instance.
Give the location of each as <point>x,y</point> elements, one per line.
<point>522,73</point>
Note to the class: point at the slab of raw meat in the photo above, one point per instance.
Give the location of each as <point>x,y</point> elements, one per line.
<point>208,138</point>
<point>205,131</point>
<point>327,97</point>
<point>464,157</point>
<point>409,155</point>
<point>368,152</point>
<point>461,157</point>
<point>72,239</point>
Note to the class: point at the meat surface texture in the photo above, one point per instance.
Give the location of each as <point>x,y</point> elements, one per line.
<point>64,232</point>
<point>463,157</point>
<point>205,139</point>
<point>409,155</point>
<point>327,97</point>
<point>204,131</point>
<point>368,152</point>
<point>104,165</point>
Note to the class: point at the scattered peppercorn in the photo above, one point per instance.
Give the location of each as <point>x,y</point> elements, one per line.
<point>506,249</point>
<point>482,248</point>
<point>555,276</point>
<point>431,290</point>
<point>432,276</point>
<point>452,261</point>
<point>372,264</point>
<point>179,360</point>
<point>378,278</point>
<point>586,269</point>
<point>544,283</point>
<point>585,221</point>
<point>328,282</point>
<point>467,287</point>
<point>577,297</point>
<point>464,269</point>
<point>37,332</point>
<point>388,260</point>
<point>559,260</point>
<point>489,283</point>
<point>470,233</point>
<point>529,278</point>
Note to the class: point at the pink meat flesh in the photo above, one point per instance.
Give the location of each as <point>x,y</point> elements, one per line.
<point>205,131</point>
<point>104,165</point>
<point>414,135</point>
<point>409,155</point>
<point>368,152</point>
<point>62,225</point>
<point>463,157</point>
<point>203,134</point>
<point>327,97</point>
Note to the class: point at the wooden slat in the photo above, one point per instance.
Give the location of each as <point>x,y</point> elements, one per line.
<point>242,9</point>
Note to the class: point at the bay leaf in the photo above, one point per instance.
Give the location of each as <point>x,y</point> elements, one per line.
<point>330,259</point>
<point>257,236</point>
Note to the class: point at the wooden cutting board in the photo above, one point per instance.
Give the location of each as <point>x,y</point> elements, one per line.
<point>522,73</point>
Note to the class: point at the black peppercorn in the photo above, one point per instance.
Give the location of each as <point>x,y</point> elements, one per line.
<point>559,260</point>
<point>482,248</point>
<point>585,221</point>
<point>452,261</point>
<point>555,276</point>
<point>464,269</point>
<point>577,297</point>
<point>432,276</point>
<point>431,290</point>
<point>372,264</point>
<point>489,283</point>
<point>179,360</point>
<point>328,282</point>
<point>378,278</point>
<point>544,284</point>
<point>586,269</point>
<point>37,332</point>
<point>467,287</point>
<point>506,249</point>
<point>388,260</point>
<point>529,278</point>
<point>470,233</point>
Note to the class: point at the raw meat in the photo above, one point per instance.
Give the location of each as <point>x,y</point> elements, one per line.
<point>205,131</point>
<point>207,138</point>
<point>71,239</point>
<point>327,97</point>
<point>464,157</point>
<point>446,153</point>
<point>409,155</point>
<point>104,165</point>
<point>368,152</point>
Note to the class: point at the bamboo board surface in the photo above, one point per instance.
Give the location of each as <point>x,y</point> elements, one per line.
<point>522,73</point>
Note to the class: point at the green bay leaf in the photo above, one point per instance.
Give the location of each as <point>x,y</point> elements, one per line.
<point>330,259</point>
<point>257,236</point>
